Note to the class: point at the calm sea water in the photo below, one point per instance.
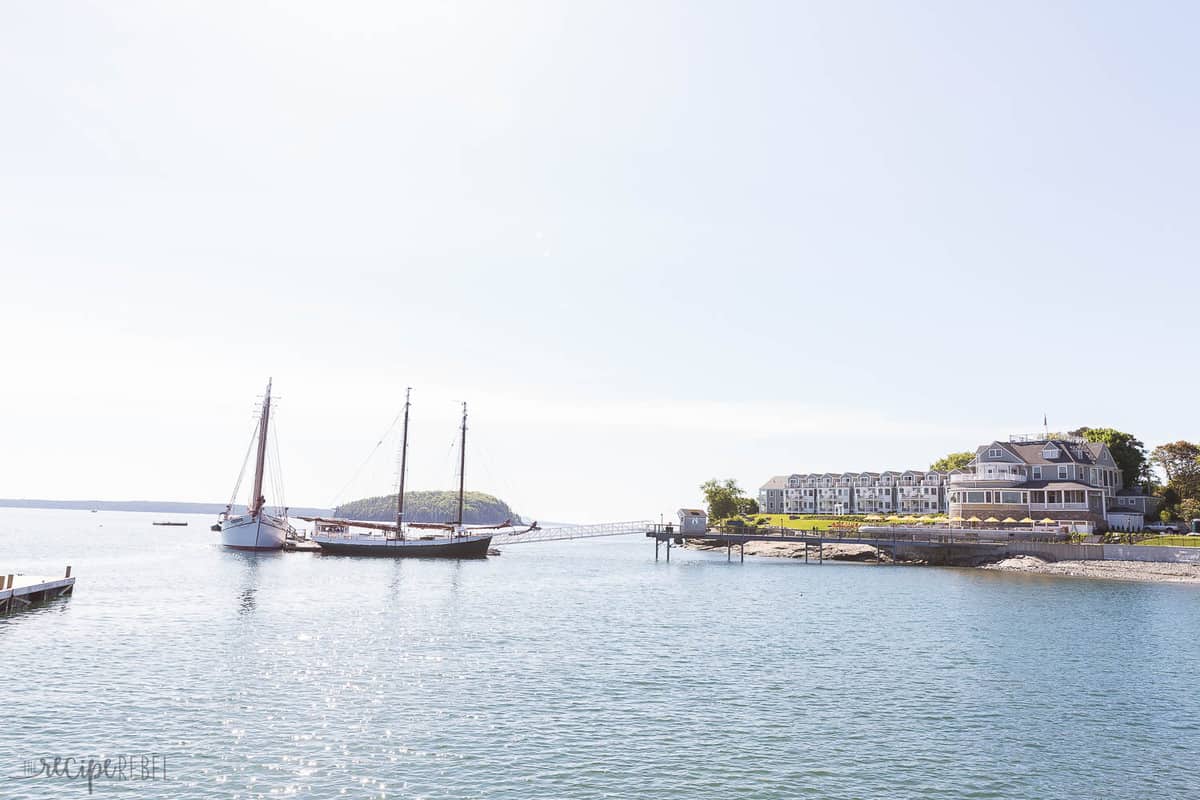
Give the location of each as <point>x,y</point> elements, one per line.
<point>585,670</point>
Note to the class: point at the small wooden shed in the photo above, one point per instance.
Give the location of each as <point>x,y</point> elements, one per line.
<point>692,520</point>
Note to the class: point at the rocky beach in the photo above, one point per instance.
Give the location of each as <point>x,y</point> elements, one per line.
<point>829,552</point>
<point>1143,571</point>
<point>1146,571</point>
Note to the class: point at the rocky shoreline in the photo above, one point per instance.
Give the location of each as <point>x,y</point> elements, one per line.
<point>830,551</point>
<point>1143,571</point>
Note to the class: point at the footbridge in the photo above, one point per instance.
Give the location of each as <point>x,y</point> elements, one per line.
<point>563,532</point>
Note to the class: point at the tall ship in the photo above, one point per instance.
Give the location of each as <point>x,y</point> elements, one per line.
<point>404,539</point>
<point>255,529</point>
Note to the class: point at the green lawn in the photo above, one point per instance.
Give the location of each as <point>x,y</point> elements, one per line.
<point>1173,541</point>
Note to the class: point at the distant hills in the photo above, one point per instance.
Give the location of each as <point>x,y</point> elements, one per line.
<point>478,508</point>
<point>155,506</point>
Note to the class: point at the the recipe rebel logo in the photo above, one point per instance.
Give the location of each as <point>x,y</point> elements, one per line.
<point>94,769</point>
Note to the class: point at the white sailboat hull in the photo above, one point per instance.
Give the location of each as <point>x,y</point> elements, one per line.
<point>261,532</point>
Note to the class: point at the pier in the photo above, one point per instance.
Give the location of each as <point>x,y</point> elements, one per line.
<point>943,547</point>
<point>18,592</point>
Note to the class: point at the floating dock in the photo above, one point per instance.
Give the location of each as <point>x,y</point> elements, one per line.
<point>21,591</point>
<point>300,546</point>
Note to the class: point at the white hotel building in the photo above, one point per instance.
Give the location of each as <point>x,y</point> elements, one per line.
<point>909,492</point>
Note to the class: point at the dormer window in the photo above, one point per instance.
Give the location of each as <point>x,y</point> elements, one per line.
<point>1050,452</point>
<point>995,452</point>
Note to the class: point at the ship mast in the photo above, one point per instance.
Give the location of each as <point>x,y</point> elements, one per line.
<point>257,500</point>
<point>462,467</point>
<point>403,464</point>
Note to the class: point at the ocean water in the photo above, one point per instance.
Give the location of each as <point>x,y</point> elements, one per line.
<point>583,670</point>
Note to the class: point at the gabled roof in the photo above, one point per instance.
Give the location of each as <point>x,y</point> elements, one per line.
<point>691,512</point>
<point>1068,453</point>
<point>777,482</point>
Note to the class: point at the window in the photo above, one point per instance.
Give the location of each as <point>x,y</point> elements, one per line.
<point>995,452</point>
<point>1010,498</point>
<point>1037,497</point>
<point>1037,473</point>
<point>975,497</point>
<point>1062,472</point>
<point>1050,452</point>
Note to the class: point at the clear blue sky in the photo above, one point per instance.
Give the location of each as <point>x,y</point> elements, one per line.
<point>652,243</point>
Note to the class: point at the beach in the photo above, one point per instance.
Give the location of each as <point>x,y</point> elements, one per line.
<point>1144,571</point>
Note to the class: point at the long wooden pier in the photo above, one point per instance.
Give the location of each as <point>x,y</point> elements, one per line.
<point>21,591</point>
<point>943,546</point>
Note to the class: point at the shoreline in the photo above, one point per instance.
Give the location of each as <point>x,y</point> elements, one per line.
<point>830,551</point>
<point>1130,571</point>
<point>1133,571</point>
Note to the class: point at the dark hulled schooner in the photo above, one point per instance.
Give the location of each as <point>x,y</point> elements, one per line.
<point>402,539</point>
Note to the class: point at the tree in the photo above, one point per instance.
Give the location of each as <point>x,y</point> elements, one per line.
<point>1181,462</point>
<point>952,462</point>
<point>1189,509</point>
<point>1170,499</point>
<point>1126,450</point>
<point>747,505</point>
<point>724,498</point>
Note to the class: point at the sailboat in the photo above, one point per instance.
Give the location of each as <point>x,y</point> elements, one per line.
<point>256,529</point>
<point>400,540</point>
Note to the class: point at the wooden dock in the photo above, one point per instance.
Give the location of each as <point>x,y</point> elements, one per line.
<point>952,547</point>
<point>301,546</point>
<point>18,592</point>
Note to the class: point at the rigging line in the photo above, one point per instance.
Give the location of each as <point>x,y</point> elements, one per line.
<point>354,477</point>
<point>277,469</point>
<point>245,460</point>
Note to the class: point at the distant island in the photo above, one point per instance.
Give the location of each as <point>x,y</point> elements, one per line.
<point>478,508</point>
<point>152,506</point>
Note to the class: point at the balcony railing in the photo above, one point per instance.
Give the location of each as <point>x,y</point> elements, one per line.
<point>973,477</point>
<point>1059,506</point>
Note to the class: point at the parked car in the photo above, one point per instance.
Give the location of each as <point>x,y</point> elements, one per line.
<point>1164,527</point>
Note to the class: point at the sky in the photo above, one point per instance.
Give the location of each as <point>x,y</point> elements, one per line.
<point>648,243</point>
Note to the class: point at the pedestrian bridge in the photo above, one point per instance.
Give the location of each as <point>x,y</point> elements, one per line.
<point>563,532</point>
